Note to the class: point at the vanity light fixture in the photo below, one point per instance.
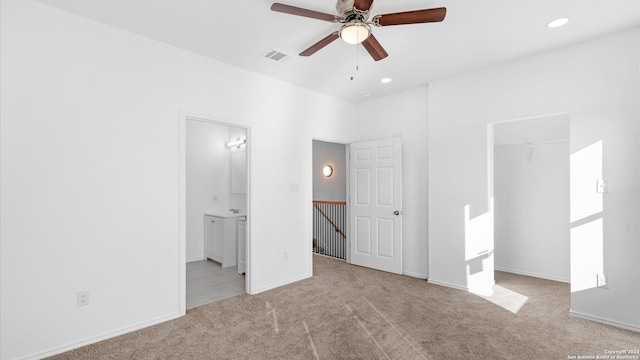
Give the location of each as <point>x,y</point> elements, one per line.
<point>237,143</point>
<point>327,170</point>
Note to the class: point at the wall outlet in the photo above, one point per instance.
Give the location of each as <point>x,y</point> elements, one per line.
<point>602,281</point>
<point>83,298</point>
<point>285,255</point>
<point>294,188</point>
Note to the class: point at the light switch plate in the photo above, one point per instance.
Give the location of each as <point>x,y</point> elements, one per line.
<point>602,186</point>
<point>602,281</point>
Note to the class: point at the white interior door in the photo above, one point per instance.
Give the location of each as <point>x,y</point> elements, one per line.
<point>376,204</point>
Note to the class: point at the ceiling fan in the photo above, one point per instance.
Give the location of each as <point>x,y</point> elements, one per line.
<point>356,28</point>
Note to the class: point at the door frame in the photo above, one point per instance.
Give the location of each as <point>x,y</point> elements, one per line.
<point>182,221</point>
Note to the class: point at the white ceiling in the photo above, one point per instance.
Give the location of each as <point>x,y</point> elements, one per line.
<point>474,34</point>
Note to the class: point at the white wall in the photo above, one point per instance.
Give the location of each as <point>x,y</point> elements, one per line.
<point>404,115</point>
<point>597,83</point>
<point>333,188</point>
<point>90,156</point>
<point>207,179</point>
<point>531,187</point>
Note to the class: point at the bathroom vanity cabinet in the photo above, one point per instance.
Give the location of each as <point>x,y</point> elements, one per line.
<point>220,239</point>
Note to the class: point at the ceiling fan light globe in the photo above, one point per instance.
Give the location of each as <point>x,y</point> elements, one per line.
<point>557,22</point>
<point>355,33</point>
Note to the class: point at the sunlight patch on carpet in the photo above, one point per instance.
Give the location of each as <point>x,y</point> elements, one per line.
<point>394,328</point>
<point>313,346</point>
<point>506,299</point>
<point>367,331</point>
<point>271,310</point>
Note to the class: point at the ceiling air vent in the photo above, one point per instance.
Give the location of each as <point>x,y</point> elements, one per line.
<point>276,55</point>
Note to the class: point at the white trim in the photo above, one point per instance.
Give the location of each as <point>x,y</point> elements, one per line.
<point>182,215</point>
<point>446,284</point>
<point>217,119</point>
<point>249,260</point>
<point>345,143</point>
<point>95,339</point>
<point>328,257</point>
<point>532,274</point>
<point>605,321</point>
<point>483,291</point>
<point>248,218</point>
<point>347,223</point>
<point>196,259</point>
<point>282,283</point>
<point>534,143</point>
<point>414,275</point>
<point>309,210</point>
<point>562,113</point>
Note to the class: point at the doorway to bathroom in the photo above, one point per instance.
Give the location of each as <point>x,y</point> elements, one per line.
<point>215,210</point>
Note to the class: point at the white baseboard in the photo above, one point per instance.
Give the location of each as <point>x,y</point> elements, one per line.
<point>609,322</point>
<point>196,259</point>
<point>276,285</point>
<point>532,274</point>
<point>446,284</point>
<point>483,292</point>
<point>105,336</point>
<point>415,275</point>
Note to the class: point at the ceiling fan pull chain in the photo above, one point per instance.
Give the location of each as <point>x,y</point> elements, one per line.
<point>352,66</point>
<point>357,57</point>
<point>355,65</point>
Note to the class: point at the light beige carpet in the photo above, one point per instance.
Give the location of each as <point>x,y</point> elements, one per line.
<point>349,312</point>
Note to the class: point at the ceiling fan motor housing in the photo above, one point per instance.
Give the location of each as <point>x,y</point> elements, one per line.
<point>348,12</point>
<point>343,5</point>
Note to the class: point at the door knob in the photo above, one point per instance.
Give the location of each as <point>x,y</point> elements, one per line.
<point>396,213</point>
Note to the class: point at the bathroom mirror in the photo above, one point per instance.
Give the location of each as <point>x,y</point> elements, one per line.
<point>239,172</point>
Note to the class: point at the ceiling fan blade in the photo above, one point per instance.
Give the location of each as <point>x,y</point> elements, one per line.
<point>363,5</point>
<point>288,9</point>
<point>412,17</point>
<point>374,48</point>
<point>320,44</point>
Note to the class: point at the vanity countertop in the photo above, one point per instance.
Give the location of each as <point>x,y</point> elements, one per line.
<point>224,214</point>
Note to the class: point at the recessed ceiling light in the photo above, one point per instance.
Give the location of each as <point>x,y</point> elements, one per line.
<point>385,80</point>
<point>557,22</point>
